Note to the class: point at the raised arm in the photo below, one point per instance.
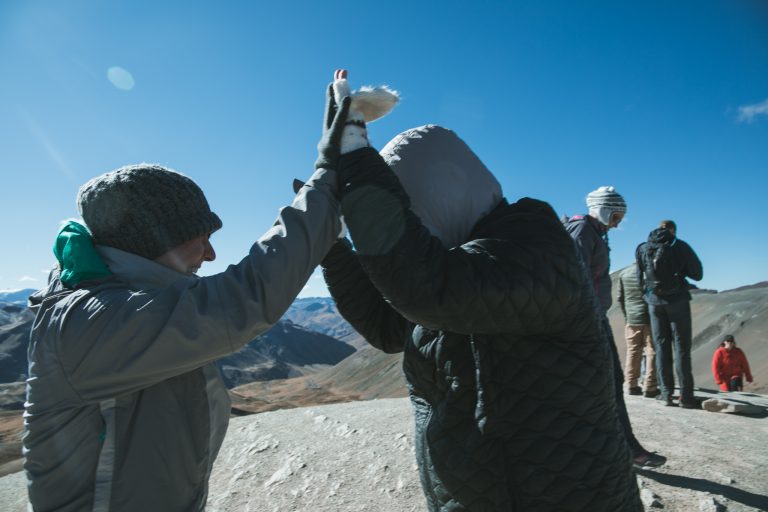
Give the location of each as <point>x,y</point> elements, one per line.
<point>463,289</point>
<point>122,340</point>
<point>361,304</point>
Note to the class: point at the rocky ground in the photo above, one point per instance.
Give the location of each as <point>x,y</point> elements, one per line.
<point>358,456</point>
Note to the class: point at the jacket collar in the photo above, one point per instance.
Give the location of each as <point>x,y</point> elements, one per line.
<point>524,209</point>
<point>488,220</point>
<point>661,236</point>
<point>596,224</point>
<point>137,271</point>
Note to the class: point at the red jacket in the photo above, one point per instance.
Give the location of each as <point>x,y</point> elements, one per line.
<point>729,364</point>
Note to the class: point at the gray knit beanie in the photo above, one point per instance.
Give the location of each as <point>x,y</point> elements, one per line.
<point>145,209</point>
<point>604,202</point>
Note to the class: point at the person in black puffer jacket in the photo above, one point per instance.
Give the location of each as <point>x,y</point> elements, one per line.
<point>508,366</point>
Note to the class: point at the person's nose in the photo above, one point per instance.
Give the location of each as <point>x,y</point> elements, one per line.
<point>210,253</point>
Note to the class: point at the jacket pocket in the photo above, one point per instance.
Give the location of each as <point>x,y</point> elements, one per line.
<point>425,377</point>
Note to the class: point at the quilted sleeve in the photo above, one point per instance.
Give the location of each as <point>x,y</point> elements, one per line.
<point>360,303</point>
<point>639,251</point>
<point>520,284</point>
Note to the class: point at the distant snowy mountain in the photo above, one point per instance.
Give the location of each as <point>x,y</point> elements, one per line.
<point>10,312</point>
<point>319,314</point>
<point>14,338</point>
<point>286,350</point>
<point>18,297</point>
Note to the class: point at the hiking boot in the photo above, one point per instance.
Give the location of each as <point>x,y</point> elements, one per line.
<point>652,394</point>
<point>648,460</point>
<point>689,405</point>
<point>635,390</point>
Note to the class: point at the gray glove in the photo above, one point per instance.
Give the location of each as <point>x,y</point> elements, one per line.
<point>329,147</point>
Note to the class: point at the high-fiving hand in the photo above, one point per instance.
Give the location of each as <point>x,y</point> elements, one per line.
<point>329,147</point>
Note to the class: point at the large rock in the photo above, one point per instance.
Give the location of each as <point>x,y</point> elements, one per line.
<point>731,406</point>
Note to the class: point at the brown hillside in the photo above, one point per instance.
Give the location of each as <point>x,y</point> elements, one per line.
<point>742,312</point>
<point>370,373</point>
<point>365,375</point>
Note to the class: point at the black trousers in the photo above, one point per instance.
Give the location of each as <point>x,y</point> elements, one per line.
<point>671,329</point>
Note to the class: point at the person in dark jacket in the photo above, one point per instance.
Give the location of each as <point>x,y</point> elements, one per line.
<point>670,310</point>
<point>508,366</point>
<point>125,409</point>
<point>637,332</point>
<point>590,235</point>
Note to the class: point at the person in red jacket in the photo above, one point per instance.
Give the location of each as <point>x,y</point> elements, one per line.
<point>729,365</point>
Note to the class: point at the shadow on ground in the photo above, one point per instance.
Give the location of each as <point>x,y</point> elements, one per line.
<point>731,493</point>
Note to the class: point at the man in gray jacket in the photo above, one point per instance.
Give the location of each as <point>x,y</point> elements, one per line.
<point>125,410</point>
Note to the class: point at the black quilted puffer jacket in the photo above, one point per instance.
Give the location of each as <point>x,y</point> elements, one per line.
<point>509,374</point>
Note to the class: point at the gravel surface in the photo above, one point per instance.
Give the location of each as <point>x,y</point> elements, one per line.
<point>359,457</point>
<point>354,456</point>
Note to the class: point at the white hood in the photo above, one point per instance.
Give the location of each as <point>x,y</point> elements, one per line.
<point>450,188</point>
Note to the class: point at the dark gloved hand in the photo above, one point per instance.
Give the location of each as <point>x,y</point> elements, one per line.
<point>329,147</point>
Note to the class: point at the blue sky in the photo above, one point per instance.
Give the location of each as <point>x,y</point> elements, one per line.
<point>667,101</point>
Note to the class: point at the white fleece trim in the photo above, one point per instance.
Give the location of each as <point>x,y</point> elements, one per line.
<point>368,104</point>
<point>374,102</point>
<point>354,137</point>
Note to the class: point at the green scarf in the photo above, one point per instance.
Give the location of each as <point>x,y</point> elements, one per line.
<point>77,257</point>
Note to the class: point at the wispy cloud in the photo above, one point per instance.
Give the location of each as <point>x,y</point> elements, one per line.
<point>41,136</point>
<point>28,279</point>
<point>748,113</point>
